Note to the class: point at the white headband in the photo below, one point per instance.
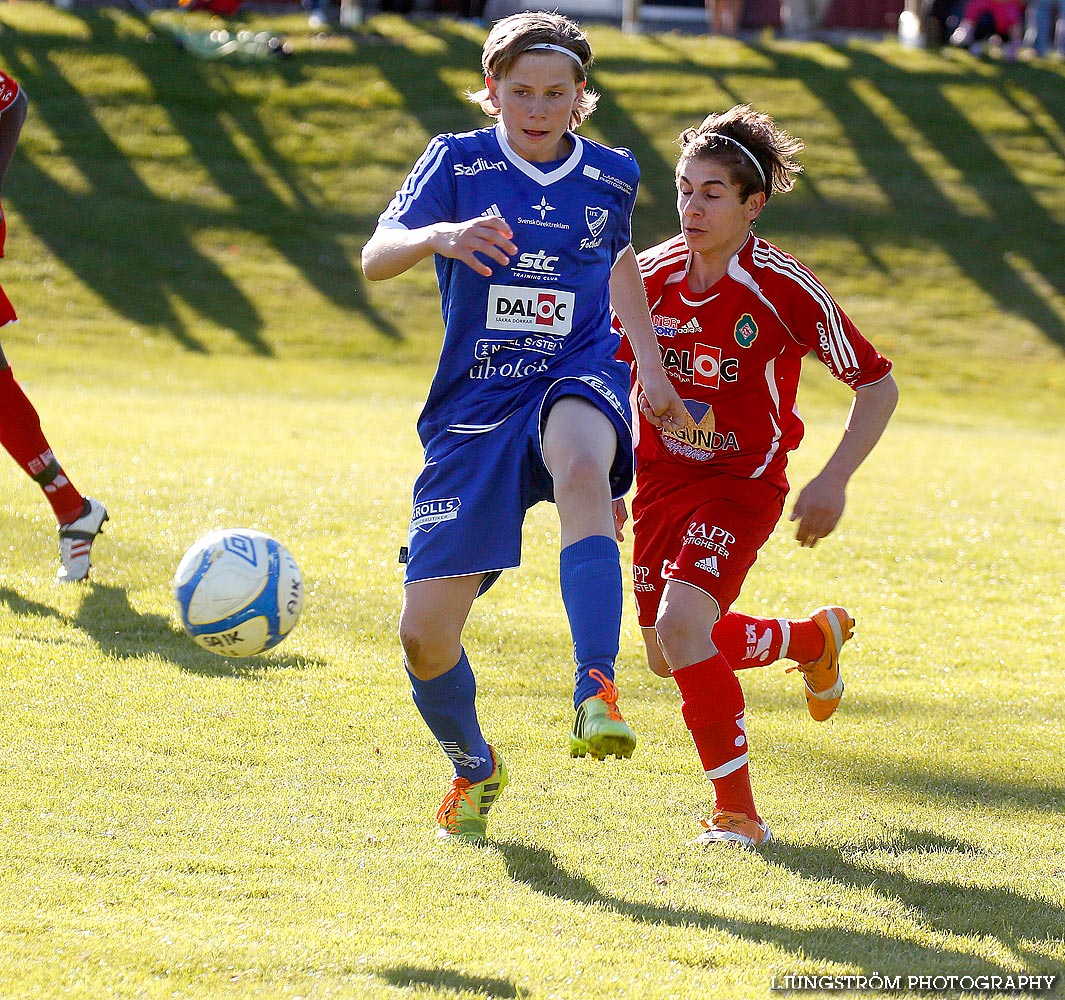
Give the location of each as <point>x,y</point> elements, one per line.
<point>557,48</point>
<point>746,152</point>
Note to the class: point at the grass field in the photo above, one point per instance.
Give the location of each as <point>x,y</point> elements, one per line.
<point>183,246</point>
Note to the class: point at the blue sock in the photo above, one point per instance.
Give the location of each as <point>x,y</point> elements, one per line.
<point>590,575</point>
<point>448,705</point>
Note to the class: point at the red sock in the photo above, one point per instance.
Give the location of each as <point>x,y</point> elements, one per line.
<point>807,641</point>
<point>756,642</point>
<point>713,710</point>
<point>749,642</point>
<point>21,436</point>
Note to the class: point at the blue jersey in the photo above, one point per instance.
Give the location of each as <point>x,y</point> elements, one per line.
<point>545,316</point>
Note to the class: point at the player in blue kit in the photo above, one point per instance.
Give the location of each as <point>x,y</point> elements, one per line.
<point>530,228</point>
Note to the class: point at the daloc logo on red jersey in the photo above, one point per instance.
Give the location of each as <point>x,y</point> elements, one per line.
<point>710,369</point>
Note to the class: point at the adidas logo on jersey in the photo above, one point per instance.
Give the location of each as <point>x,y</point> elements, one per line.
<point>692,326</point>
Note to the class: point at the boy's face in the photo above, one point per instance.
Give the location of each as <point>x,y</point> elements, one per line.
<point>712,217</point>
<point>535,101</point>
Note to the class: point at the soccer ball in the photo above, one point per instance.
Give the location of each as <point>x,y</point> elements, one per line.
<point>239,592</point>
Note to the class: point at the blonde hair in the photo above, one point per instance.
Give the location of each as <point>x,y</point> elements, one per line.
<point>513,36</point>
<point>759,156</point>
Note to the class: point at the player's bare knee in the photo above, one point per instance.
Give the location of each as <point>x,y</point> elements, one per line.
<point>679,633</point>
<point>577,471</point>
<point>581,479</point>
<point>417,654</point>
<point>426,652</point>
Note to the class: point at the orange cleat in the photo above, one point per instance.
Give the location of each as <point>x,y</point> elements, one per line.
<point>736,829</point>
<point>824,686</point>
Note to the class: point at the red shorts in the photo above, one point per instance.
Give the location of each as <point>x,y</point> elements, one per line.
<point>705,533</point>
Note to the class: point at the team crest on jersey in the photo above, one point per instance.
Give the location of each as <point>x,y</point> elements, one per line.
<point>746,330</point>
<point>596,219</point>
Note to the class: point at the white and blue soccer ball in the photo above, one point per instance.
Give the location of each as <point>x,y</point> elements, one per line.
<point>239,592</point>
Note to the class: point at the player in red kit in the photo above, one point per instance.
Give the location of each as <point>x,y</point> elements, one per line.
<point>80,518</point>
<point>735,316</point>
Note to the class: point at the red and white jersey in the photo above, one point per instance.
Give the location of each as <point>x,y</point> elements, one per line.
<point>734,353</point>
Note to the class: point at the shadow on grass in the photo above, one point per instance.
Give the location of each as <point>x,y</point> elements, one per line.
<point>947,906</point>
<point>995,912</point>
<point>940,784</point>
<point>145,264</point>
<point>122,632</point>
<point>447,979</point>
<point>1012,249</point>
<point>119,262</point>
<point>993,249</point>
<point>20,606</point>
<point>148,266</point>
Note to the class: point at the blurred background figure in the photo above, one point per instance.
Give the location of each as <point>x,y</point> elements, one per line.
<point>996,21</point>
<point>317,13</point>
<point>1045,28</point>
<point>802,19</point>
<point>939,19</point>
<point>724,17</point>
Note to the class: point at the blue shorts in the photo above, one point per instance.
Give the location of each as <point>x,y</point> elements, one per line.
<point>470,499</point>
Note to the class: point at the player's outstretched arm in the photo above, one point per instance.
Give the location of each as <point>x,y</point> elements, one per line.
<point>820,503</point>
<point>391,251</point>
<point>659,401</point>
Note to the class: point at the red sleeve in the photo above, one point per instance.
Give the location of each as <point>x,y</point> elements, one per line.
<point>8,90</point>
<point>846,353</point>
<point>818,323</point>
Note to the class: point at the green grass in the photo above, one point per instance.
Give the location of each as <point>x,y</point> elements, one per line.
<point>194,330</point>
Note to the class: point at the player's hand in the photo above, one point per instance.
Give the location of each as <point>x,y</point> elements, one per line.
<point>659,402</point>
<point>488,235</point>
<point>621,515</point>
<point>818,510</point>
